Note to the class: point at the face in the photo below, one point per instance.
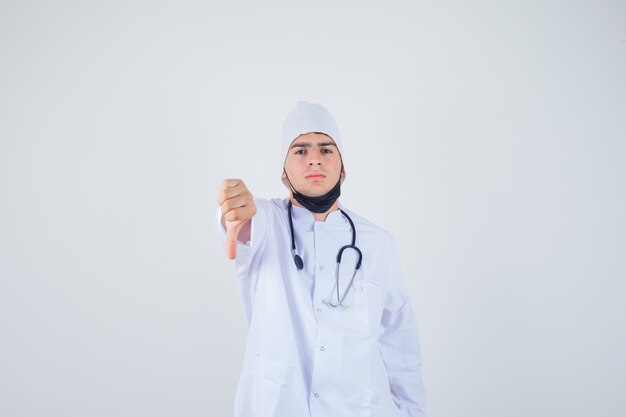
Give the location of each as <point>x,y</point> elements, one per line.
<point>313,164</point>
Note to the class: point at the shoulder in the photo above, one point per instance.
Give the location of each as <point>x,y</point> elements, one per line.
<point>278,205</point>
<point>271,206</point>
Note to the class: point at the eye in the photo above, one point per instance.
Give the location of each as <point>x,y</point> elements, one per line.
<point>299,152</point>
<point>326,150</point>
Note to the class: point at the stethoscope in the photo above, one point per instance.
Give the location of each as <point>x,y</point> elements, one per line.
<point>300,264</point>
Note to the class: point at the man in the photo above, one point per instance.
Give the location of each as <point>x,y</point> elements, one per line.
<point>326,339</point>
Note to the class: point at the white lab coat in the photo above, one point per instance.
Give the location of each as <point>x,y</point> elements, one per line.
<point>304,358</point>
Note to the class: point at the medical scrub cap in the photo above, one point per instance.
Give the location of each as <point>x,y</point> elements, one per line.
<point>308,117</point>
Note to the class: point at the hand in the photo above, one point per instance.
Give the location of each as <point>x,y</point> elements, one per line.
<point>237,205</point>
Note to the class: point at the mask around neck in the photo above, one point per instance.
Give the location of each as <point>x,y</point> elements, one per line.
<point>319,204</point>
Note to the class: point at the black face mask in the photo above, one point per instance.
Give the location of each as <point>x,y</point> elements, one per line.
<point>319,204</point>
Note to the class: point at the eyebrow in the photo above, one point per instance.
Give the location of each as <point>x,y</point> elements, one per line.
<point>309,145</point>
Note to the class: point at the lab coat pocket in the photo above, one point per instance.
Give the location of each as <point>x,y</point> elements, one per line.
<point>367,302</point>
<point>272,379</point>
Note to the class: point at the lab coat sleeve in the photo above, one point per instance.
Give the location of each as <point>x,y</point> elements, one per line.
<point>399,343</point>
<point>247,250</point>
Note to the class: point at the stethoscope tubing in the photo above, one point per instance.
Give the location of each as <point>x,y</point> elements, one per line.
<point>300,264</point>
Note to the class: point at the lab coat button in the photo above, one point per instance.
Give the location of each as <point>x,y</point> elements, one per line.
<point>316,395</point>
<point>321,267</point>
<point>319,310</point>
<point>322,348</point>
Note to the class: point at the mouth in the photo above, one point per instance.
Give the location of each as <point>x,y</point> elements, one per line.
<point>316,177</point>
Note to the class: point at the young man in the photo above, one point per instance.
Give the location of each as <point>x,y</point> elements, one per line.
<point>331,328</point>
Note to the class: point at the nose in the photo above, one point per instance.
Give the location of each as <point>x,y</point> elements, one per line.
<point>314,158</point>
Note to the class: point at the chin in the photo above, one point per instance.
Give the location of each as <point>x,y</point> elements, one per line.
<point>314,191</point>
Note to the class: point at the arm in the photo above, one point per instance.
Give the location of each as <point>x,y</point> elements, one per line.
<point>399,343</point>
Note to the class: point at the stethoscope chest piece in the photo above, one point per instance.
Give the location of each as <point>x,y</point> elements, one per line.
<point>298,260</point>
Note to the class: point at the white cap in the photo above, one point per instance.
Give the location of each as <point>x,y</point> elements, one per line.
<point>308,117</point>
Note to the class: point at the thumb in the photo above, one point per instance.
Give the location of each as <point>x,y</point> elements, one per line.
<point>232,230</point>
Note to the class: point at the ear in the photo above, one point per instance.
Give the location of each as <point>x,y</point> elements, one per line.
<point>342,176</point>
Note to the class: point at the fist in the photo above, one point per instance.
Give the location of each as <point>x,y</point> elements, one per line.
<point>237,205</point>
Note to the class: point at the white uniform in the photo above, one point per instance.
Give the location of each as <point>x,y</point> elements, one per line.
<point>305,358</point>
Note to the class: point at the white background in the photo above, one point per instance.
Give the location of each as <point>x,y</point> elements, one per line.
<point>488,137</point>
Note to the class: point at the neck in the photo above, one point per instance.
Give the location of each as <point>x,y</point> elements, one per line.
<point>320,217</point>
